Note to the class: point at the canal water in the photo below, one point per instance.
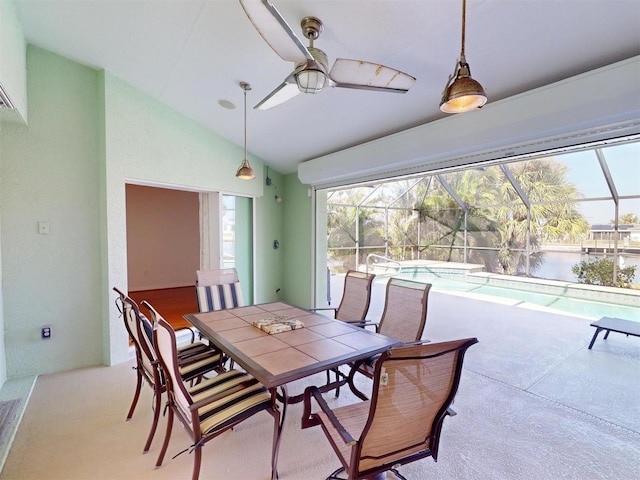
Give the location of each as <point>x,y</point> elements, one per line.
<point>557,265</point>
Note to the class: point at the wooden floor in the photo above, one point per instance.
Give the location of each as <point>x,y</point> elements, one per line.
<point>171,303</point>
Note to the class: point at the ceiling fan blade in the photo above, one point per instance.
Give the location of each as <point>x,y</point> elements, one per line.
<point>369,76</point>
<point>275,30</point>
<point>285,91</point>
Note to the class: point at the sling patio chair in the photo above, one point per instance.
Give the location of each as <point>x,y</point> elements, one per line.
<point>212,406</point>
<point>413,388</point>
<point>403,318</point>
<point>196,358</point>
<point>218,289</point>
<point>353,307</point>
<point>356,297</point>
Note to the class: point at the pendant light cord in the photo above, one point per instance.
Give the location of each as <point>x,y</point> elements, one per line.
<point>464,16</point>
<point>244,87</point>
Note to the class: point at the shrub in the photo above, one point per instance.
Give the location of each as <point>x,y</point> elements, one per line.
<point>600,272</point>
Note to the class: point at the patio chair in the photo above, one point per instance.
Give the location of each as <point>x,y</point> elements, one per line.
<point>213,406</point>
<point>353,307</point>
<point>403,318</point>
<point>356,297</point>
<point>413,388</point>
<point>218,289</point>
<point>196,358</point>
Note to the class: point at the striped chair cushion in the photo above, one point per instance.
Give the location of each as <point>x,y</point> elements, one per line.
<point>184,351</point>
<point>219,297</point>
<point>197,365</point>
<point>240,395</point>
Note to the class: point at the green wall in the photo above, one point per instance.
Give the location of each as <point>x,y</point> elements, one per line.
<point>50,173</point>
<point>269,226</point>
<point>284,273</point>
<point>244,246</point>
<point>13,69</point>
<point>88,134</point>
<point>298,235</point>
<point>13,73</point>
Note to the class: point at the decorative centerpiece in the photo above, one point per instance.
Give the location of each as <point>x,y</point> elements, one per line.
<point>278,324</point>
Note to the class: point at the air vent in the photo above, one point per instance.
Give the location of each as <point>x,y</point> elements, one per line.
<point>5,101</point>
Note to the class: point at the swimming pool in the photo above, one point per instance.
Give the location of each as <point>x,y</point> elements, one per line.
<point>452,281</point>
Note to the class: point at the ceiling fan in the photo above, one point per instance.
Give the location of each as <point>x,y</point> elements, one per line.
<point>311,73</point>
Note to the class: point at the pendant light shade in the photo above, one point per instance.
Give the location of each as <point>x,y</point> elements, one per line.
<point>463,93</point>
<point>245,172</point>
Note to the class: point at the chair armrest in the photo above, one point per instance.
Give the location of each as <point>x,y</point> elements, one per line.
<point>363,324</point>
<point>334,309</point>
<point>311,419</point>
<point>417,342</point>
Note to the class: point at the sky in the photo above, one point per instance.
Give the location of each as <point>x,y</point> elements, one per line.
<point>585,173</point>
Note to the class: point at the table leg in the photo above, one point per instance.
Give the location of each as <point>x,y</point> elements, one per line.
<point>278,430</point>
<point>595,335</point>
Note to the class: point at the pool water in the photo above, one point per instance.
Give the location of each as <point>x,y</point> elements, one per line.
<point>455,282</point>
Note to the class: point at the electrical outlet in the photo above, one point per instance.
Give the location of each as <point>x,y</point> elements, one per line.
<point>384,378</point>
<point>45,332</point>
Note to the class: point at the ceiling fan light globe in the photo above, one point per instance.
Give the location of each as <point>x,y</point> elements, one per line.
<point>311,81</point>
<point>311,76</point>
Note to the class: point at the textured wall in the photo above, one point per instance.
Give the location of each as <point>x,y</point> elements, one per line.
<point>269,226</point>
<point>147,142</point>
<point>298,231</point>
<point>89,134</point>
<point>13,68</point>
<point>50,174</point>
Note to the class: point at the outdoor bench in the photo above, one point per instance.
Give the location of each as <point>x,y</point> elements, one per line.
<point>618,325</point>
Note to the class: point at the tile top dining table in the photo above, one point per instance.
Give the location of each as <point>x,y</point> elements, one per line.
<point>277,359</point>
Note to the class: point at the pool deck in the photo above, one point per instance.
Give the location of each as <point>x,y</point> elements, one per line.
<point>534,402</point>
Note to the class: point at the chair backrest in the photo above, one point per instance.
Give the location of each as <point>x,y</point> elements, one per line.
<point>218,289</point>
<point>140,330</point>
<point>405,310</point>
<point>356,296</point>
<point>216,277</point>
<point>413,387</point>
<point>164,341</point>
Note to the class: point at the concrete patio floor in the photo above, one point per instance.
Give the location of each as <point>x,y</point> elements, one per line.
<point>534,402</point>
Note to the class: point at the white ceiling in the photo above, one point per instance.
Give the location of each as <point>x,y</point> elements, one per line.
<point>192,53</point>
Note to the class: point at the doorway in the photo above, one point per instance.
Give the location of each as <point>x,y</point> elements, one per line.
<point>165,244</point>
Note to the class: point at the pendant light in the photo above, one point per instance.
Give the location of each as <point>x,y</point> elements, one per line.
<point>464,93</point>
<point>245,172</point>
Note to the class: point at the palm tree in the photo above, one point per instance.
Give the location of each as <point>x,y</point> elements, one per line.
<point>501,232</point>
<point>627,218</point>
<point>498,218</point>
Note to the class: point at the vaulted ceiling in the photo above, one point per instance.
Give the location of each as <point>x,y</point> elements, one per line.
<point>190,54</point>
